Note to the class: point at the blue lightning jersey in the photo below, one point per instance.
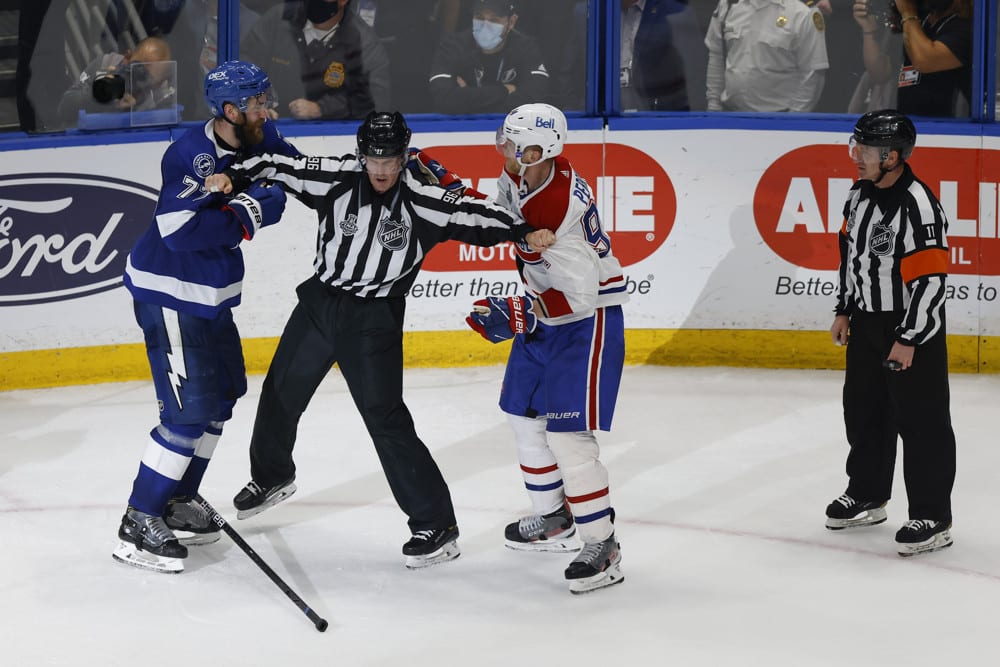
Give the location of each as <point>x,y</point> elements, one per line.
<point>189,259</point>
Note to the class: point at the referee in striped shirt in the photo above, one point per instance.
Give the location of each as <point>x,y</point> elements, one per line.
<point>893,273</point>
<point>377,222</point>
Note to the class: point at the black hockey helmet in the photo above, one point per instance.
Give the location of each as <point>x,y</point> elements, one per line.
<point>383,134</point>
<point>887,128</point>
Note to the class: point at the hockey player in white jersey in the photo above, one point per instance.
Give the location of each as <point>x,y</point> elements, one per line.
<point>185,275</point>
<point>565,365</point>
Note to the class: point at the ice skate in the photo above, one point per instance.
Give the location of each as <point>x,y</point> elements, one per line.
<point>254,498</point>
<point>846,512</point>
<point>598,565</point>
<point>555,531</point>
<point>190,522</point>
<point>918,536</point>
<point>430,547</point>
<point>146,542</point>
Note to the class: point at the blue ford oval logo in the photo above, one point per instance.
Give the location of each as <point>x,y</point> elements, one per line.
<point>64,236</point>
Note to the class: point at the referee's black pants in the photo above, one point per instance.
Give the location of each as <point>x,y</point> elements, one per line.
<point>880,404</point>
<point>364,336</point>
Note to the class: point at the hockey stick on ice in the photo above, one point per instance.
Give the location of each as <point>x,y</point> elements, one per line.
<point>218,519</point>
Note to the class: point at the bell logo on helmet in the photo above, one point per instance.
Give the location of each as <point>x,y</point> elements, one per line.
<point>549,123</point>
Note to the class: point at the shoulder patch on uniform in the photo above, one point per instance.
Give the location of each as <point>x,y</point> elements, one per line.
<point>334,75</point>
<point>450,196</point>
<point>818,21</point>
<point>203,164</point>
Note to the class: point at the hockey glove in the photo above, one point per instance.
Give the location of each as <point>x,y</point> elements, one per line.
<point>501,318</point>
<point>261,205</point>
<point>431,172</point>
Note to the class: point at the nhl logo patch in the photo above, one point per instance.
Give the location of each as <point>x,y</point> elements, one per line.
<point>392,234</point>
<point>882,240</point>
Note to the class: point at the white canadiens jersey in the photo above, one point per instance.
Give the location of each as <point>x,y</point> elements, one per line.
<point>578,273</point>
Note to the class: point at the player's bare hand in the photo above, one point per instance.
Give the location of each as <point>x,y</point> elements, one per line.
<point>540,239</point>
<point>219,183</point>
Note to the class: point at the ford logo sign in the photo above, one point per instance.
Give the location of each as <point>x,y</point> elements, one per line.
<point>63,236</point>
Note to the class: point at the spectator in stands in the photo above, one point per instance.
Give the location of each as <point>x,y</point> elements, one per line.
<point>652,69</point>
<point>488,68</point>
<point>559,27</point>
<point>935,78</point>
<point>843,51</point>
<point>409,31</point>
<point>765,55</point>
<point>137,80</point>
<point>323,59</point>
<point>41,65</point>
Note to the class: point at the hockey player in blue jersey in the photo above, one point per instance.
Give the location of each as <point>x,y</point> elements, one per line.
<point>185,274</point>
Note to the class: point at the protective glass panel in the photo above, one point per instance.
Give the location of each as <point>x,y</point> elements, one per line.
<point>155,48</point>
<point>831,57</point>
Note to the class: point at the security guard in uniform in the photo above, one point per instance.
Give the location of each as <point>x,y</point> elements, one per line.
<point>325,62</point>
<point>765,55</point>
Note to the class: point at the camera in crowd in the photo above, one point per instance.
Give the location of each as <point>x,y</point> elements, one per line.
<point>111,85</point>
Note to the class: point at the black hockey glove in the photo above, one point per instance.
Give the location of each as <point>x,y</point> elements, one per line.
<point>261,205</point>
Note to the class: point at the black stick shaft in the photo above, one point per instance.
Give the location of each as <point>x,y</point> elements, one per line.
<point>220,521</point>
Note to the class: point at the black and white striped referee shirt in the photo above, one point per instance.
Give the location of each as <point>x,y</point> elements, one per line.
<point>894,255</point>
<point>373,245</point>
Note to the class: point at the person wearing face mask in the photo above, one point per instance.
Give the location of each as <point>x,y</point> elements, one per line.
<point>488,68</point>
<point>890,314</point>
<point>935,78</point>
<point>324,60</point>
<point>379,215</point>
<point>185,275</point>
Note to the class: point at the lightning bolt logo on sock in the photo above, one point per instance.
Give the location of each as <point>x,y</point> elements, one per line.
<point>176,369</point>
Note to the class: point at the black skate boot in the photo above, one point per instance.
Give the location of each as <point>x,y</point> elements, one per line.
<point>146,542</point>
<point>254,498</point>
<point>846,512</point>
<point>430,547</point>
<point>598,565</point>
<point>185,515</point>
<point>918,536</point>
<point>543,532</point>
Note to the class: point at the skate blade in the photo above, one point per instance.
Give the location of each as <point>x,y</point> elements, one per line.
<point>611,576</point>
<point>196,539</point>
<point>126,553</point>
<point>565,545</point>
<point>869,518</point>
<point>284,494</point>
<point>936,543</point>
<point>449,551</point>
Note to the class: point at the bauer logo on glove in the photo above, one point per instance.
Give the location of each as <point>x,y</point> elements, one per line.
<point>501,318</point>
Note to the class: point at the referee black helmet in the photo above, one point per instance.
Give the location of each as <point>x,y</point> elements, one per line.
<point>383,134</point>
<point>887,128</point>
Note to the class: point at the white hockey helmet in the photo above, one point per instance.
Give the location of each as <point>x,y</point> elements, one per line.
<point>535,124</point>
